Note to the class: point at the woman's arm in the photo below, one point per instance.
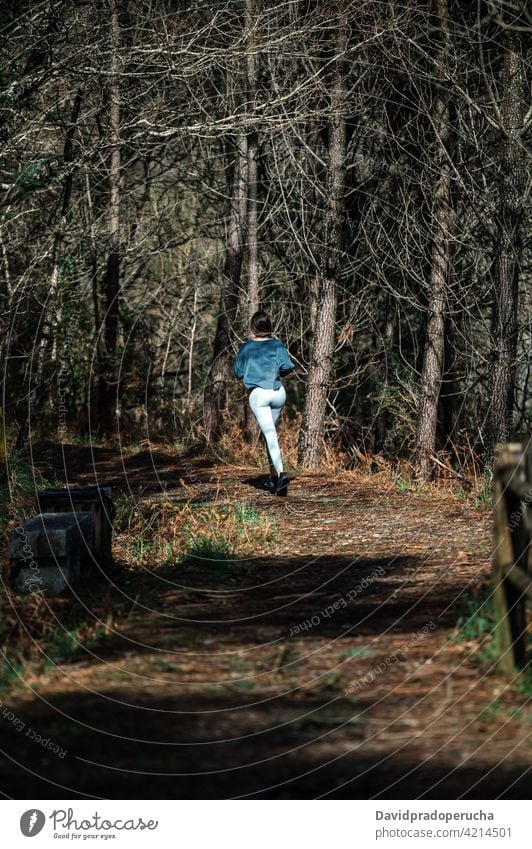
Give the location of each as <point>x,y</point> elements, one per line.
<point>239,364</point>
<point>285,363</point>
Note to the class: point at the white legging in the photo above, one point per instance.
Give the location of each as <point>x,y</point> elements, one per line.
<point>266,406</point>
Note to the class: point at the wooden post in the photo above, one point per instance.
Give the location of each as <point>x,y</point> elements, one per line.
<point>510,546</point>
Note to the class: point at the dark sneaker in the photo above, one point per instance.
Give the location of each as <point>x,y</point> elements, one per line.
<point>282,484</point>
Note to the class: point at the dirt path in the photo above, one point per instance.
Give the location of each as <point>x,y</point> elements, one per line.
<point>325,667</point>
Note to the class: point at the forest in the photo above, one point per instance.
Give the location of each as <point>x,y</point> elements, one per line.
<point>360,170</point>
<point>343,188</point>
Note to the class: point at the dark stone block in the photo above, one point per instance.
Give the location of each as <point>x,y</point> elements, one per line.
<point>95,500</point>
<point>47,553</point>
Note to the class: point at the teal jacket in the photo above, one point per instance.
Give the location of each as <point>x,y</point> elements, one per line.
<point>261,363</point>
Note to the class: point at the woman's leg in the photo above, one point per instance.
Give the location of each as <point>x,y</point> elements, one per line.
<point>277,404</point>
<point>270,461</point>
<point>261,401</point>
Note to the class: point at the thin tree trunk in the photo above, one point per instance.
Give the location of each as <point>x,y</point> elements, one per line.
<point>93,255</point>
<point>191,345</point>
<point>508,249</point>
<point>5,323</point>
<point>252,11</point>
<point>450,390</point>
<point>253,294</point>
<point>324,308</point>
<point>442,218</point>
<point>215,394</point>
<point>107,401</point>
<point>51,302</point>
<point>382,418</point>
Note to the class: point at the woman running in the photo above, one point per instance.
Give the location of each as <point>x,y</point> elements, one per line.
<point>260,362</point>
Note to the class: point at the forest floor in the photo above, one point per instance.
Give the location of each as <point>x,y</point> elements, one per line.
<point>325,664</point>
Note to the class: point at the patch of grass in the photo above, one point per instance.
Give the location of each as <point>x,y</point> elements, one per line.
<point>492,711</point>
<point>477,623</point>
<point>18,493</point>
<point>36,632</point>
<point>141,548</point>
<point>210,557</point>
<point>22,476</point>
<point>477,626</point>
<point>125,506</point>
<point>496,710</point>
<point>483,496</point>
<point>248,517</point>
<point>291,469</point>
<point>166,533</point>
<point>64,644</point>
<point>479,494</point>
<point>524,683</point>
<point>92,438</point>
<point>12,669</point>
<point>362,652</point>
<point>402,485</point>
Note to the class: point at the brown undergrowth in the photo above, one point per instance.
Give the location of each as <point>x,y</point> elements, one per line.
<point>241,617</point>
<point>166,532</point>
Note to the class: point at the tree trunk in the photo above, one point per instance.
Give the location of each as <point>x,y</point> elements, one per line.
<point>382,418</point>
<point>108,380</point>
<point>252,11</point>
<point>449,416</point>
<point>508,249</point>
<point>442,220</point>
<point>324,308</point>
<point>253,294</point>
<point>215,394</point>
<point>50,306</point>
